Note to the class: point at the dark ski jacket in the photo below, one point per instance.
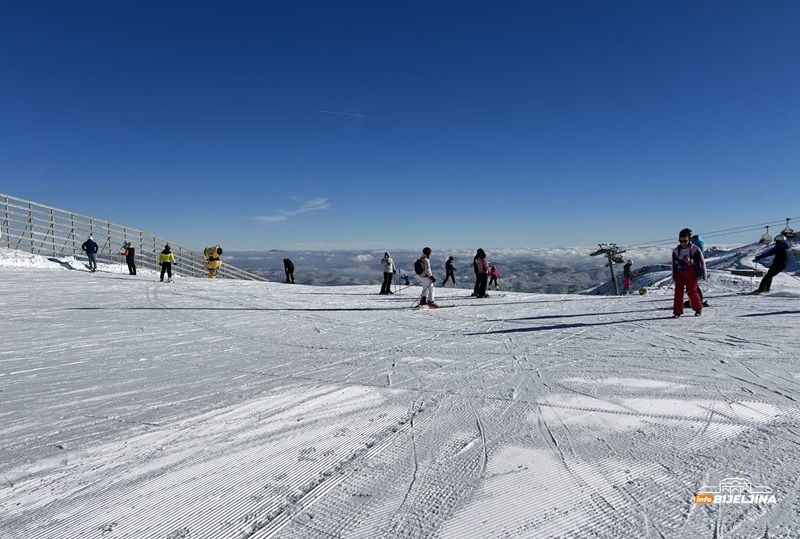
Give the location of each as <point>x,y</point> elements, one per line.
<point>287,264</point>
<point>696,258</point>
<point>626,271</point>
<point>89,246</point>
<point>448,267</point>
<point>781,252</point>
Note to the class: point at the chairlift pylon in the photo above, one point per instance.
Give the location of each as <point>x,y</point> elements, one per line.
<point>766,238</point>
<point>788,232</point>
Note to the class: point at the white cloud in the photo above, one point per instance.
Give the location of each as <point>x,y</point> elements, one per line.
<point>362,258</point>
<point>316,204</point>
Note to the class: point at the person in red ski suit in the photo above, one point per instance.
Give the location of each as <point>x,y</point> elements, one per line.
<point>688,267</point>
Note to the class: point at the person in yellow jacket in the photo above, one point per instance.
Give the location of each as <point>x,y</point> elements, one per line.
<point>166,259</point>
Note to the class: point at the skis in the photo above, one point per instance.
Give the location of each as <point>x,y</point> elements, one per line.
<point>432,307</point>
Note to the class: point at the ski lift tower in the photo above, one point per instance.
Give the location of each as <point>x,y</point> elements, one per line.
<point>614,256</point>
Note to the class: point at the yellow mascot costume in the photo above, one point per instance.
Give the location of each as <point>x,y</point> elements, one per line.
<point>213,262</point>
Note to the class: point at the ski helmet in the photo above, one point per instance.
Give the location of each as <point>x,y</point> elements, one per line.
<point>780,237</point>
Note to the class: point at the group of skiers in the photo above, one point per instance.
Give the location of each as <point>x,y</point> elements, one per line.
<point>689,266</point>
<point>485,275</point>
<point>165,259</point>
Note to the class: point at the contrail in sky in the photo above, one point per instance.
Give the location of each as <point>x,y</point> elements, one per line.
<point>343,113</point>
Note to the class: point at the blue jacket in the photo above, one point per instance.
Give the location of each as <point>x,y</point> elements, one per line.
<point>89,246</point>
<point>700,244</point>
<point>697,259</point>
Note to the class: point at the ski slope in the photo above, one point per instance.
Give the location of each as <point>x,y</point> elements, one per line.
<point>224,409</point>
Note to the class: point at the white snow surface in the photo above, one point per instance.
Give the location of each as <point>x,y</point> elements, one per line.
<point>217,409</point>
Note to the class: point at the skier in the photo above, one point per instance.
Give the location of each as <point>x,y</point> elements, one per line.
<point>781,253</point>
<point>288,267</point>
<point>166,259</point>
<point>389,270</point>
<point>450,272</point>
<point>406,280</point>
<point>427,297</point>
<point>493,275</point>
<point>698,241</point>
<point>130,254</point>
<point>481,267</point>
<point>688,266</point>
<point>90,248</point>
<point>627,277</point>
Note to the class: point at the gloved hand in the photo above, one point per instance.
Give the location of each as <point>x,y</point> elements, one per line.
<point>433,279</point>
<point>755,259</point>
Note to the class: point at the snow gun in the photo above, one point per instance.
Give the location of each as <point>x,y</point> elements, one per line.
<point>213,262</point>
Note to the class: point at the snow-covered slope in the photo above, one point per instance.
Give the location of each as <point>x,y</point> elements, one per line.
<point>225,409</point>
<point>720,264</point>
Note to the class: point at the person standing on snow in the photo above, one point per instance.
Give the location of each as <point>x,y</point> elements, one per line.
<point>427,297</point>
<point>90,248</point>
<point>450,272</point>
<point>698,241</point>
<point>166,259</point>
<point>288,267</point>
<point>781,253</point>
<point>493,275</point>
<point>688,266</point>
<point>389,270</point>
<point>130,257</point>
<point>475,270</point>
<point>627,277</point>
<point>481,266</point>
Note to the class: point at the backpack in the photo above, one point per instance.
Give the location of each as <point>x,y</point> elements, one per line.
<point>419,267</point>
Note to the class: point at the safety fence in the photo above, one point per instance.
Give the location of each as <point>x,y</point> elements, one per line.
<point>48,231</point>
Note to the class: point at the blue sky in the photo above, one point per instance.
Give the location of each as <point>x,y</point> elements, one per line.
<point>296,125</point>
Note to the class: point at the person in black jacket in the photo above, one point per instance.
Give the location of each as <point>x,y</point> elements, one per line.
<point>130,257</point>
<point>90,248</point>
<point>627,277</point>
<point>450,272</point>
<point>480,253</point>
<point>781,253</point>
<point>288,267</point>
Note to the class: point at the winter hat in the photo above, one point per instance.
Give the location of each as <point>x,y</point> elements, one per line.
<point>629,262</point>
<point>386,254</point>
<point>90,237</point>
<point>780,237</point>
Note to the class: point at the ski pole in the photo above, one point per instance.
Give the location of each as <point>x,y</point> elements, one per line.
<point>424,291</point>
<point>755,270</point>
